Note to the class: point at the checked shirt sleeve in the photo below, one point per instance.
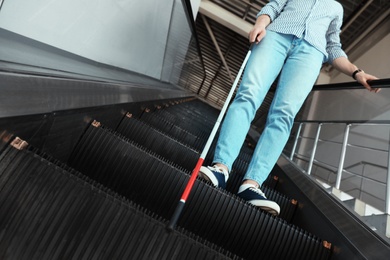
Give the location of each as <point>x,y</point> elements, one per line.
<point>333,44</point>
<point>273,8</point>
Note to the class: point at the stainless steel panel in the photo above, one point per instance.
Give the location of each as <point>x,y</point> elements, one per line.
<point>51,113</point>
<point>26,95</point>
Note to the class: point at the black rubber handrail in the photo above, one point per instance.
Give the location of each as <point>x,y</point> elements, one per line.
<point>379,83</point>
<point>191,22</point>
<point>356,122</point>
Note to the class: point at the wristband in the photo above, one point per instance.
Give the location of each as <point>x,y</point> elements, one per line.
<point>356,72</point>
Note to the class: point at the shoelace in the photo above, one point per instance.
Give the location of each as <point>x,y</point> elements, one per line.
<point>258,191</point>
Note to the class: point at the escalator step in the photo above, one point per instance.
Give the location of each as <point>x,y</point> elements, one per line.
<point>48,213</point>
<point>190,122</point>
<point>173,127</point>
<point>194,115</point>
<point>185,157</point>
<point>170,129</point>
<point>173,130</point>
<point>108,136</point>
<point>213,214</point>
<point>158,142</point>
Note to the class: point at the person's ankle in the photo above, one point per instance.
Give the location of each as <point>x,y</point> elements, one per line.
<point>252,182</point>
<point>220,165</point>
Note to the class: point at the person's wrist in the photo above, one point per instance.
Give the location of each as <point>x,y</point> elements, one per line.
<point>356,72</point>
<point>263,20</point>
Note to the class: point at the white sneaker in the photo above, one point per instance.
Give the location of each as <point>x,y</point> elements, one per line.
<point>216,175</point>
<point>256,197</point>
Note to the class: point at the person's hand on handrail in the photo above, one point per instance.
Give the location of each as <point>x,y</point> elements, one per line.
<point>343,65</point>
<point>364,79</point>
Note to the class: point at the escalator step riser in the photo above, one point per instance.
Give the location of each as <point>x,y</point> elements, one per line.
<point>115,169</point>
<point>177,117</point>
<point>113,148</point>
<point>186,121</point>
<point>158,142</point>
<point>156,185</point>
<point>176,132</point>
<point>170,149</point>
<point>175,152</point>
<point>48,213</point>
<point>191,115</point>
<point>164,145</point>
<point>195,141</point>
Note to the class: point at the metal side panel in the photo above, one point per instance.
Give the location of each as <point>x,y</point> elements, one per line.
<point>52,113</point>
<point>28,95</point>
<point>322,215</point>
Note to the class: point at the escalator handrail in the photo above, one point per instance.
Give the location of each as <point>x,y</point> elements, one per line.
<point>348,122</point>
<point>379,83</point>
<point>191,22</point>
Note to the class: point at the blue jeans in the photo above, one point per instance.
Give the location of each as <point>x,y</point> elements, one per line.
<point>299,64</point>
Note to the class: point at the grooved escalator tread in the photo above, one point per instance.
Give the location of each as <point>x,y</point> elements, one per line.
<point>213,214</point>
<point>158,142</point>
<point>48,213</point>
<point>183,156</point>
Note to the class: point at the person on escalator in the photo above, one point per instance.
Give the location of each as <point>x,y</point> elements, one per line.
<point>292,39</point>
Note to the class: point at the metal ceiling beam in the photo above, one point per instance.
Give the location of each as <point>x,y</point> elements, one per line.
<point>363,34</point>
<point>217,47</point>
<point>356,15</point>
<point>225,18</point>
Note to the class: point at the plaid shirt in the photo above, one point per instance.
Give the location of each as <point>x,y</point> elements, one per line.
<point>317,21</point>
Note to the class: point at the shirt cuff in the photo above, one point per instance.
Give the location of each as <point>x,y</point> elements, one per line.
<point>267,10</point>
<point>334,54</point>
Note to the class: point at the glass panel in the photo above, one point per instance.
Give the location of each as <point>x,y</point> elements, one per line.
<point>110,40</point>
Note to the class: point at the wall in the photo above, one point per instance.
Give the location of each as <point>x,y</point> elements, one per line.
<point>358,104</point>
<point>132,35</point>
<point>375,61</point>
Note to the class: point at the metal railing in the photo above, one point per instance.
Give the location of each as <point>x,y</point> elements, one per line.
<point>340,169</point>
<point>333,170</point>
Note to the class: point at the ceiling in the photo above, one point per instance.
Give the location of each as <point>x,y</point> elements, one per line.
<point>222,27</point>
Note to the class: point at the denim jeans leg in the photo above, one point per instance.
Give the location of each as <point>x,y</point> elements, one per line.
<point>263,67</point>
<point>296,80</point>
